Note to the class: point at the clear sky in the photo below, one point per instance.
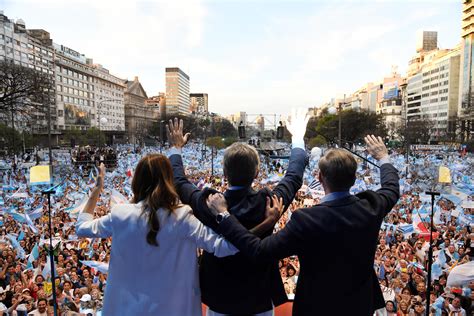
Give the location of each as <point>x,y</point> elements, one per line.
<point>255,56</point>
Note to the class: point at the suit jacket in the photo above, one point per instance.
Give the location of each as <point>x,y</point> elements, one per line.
<point>148,280</point>
<point>335,242</point>
<point>235,284</point>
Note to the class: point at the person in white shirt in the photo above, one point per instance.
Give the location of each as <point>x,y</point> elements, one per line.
<point>455,307</point>
<point>153,264</point>
<point>41,308</point>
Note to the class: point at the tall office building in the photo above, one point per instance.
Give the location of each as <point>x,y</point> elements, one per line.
<point>109,99</point>
<point>426,41</point>
<point>83,92</point>
<point>199,103</point>
<point>433,93</point>
<point>75,90</point>
<point>158,103</point>
<point>177,92</point>
<point>413,97</point>
<point>33,49</point>
<point>466,104</point>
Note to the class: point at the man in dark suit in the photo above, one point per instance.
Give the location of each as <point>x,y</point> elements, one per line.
<point>335,240</point>
<point>236,285</point>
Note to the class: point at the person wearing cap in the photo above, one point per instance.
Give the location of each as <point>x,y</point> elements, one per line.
<point>87,304</point>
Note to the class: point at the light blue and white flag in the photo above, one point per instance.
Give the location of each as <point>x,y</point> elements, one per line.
<point>32,256</point>
<point>30,223</point>
<point>37,213</point>
<point>102,267</point>
<point>117,198</point>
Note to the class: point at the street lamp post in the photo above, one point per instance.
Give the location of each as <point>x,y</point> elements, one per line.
<point>162,143</point>
<point>103,119</point>
<point>212,161</point>
<point>340,122</point>
<point>338,110</point>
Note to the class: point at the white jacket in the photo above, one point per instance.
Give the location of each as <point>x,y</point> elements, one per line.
<point>148,280</point>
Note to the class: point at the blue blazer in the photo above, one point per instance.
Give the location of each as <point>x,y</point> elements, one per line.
<point>335,242</point>
<point>236,284</point>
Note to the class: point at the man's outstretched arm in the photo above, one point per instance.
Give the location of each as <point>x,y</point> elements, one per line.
<point>188,192</point>
<point>389,193</point>
<point>293,179</point>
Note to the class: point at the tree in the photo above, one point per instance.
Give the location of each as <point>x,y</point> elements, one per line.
<point>317,141</point>
<point>92,137</point>
<point>75,136</point>
<point>205,122</point>
<point>416,131</point>
<point>224,128</point>
<point>229,141</point>
<point>23,91</point>
<point>355,126</point>
<point>215,142</point>
<point>9,138</point>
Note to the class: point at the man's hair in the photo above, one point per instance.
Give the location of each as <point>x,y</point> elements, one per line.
<point>338,167</point>
<point>42,299</point>
<point>240,164</point>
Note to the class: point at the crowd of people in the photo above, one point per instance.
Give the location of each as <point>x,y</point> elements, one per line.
<point>86,156</point>
<point>401,261</point>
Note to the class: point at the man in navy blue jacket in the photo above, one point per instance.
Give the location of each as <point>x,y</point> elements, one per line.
<point>236,285</point>
<point>335,241</point>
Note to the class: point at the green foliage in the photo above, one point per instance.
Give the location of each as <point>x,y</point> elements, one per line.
<point>92,136</point>
<point>355,126</point>
<point>416,131</point>
<point>10,138</point>
<point>208,126</point>
<point>204,122</point>
<point>216,142</point>
<point>317,141</point>
<point>229,141</point>
<point>154,129</point>
<point>24,89</point>
<point>83,138</point>
<point>224,128</point>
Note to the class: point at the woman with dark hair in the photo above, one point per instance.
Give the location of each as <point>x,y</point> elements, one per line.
<point>153,263</point>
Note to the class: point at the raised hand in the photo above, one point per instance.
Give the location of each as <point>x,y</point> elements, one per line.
<point>376,147</point>
<point>297,122</point>
<point>274,207</point>
<point>99,182</point>
<point>217,202</point>
<point>175,133</point>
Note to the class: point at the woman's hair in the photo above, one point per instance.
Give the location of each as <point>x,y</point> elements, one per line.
<point>153,184</point>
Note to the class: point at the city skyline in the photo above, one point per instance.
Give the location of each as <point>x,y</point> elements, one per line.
<point>248,56</point>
